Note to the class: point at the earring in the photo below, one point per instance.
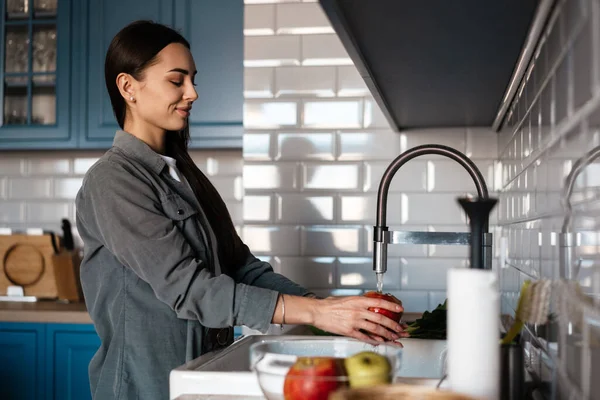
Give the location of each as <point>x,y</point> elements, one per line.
<point>131,98</point>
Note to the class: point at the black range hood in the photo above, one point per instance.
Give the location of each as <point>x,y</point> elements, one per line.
<point>440,63</point>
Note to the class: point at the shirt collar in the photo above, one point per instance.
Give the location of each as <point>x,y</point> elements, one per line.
<point>138,150</point>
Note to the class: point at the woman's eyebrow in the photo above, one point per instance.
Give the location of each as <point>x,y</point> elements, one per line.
<point>183,71</point>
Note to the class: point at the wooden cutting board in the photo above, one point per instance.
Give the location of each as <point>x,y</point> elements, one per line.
<point>26,261</point>
<point>397,391</point>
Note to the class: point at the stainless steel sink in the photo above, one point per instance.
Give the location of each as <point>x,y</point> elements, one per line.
<point>227,371</point>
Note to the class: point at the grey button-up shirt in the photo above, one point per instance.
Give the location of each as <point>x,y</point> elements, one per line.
<point>151,278</point>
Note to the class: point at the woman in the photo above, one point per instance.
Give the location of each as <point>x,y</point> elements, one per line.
<point>164,274</point>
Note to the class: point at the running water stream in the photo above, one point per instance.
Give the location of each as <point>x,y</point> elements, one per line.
<point>380,283</point>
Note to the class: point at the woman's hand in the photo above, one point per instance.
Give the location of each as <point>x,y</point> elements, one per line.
<point>349,316</point>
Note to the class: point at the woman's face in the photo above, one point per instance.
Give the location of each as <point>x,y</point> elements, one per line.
<point>164,96</point>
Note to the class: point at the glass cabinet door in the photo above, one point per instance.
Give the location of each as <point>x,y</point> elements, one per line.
<point>29,73</point>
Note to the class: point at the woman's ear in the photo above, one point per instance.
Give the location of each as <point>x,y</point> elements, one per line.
<point>126,85</point>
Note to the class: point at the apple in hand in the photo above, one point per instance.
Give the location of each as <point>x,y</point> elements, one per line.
<point>396,316</point>
<point>367,368</point>
<point>314,378</point>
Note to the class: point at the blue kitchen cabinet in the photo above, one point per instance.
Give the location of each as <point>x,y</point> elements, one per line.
<point>214,29</point>
<point>69,349</point>
<point>100,21</point>
<point>35,67</point>
<point>22,355</point>
<point>46,361</point>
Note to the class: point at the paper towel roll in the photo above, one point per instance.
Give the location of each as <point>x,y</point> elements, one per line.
<point>474,333</point>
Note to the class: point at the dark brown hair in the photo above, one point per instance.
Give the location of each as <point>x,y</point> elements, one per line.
<point>131,51</point>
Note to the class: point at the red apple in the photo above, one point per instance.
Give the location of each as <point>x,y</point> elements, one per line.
<point>314,378</point>
<point>396,316</point>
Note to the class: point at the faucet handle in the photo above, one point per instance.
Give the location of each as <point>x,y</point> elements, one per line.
<point>478,210</point>
<point>419,237</point>
<point>434,238</point>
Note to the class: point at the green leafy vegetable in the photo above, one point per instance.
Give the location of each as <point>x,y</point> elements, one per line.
<point>319,332</point>
<point>431,325</point>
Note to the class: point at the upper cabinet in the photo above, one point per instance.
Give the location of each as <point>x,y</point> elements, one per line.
<point>36,74</point>
<point>54,95</point>
<point>98,123</point>
<point>214,29</point>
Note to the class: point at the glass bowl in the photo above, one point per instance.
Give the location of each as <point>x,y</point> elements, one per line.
<point>323,368</point>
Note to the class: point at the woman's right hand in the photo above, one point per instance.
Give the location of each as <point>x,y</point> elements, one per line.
<point>349,316</point>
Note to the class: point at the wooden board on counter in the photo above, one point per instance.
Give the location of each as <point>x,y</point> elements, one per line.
<point>44,311</point>
<point>38,265</point>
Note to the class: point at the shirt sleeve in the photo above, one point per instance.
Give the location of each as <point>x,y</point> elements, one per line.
<point>124,212</point>
<point>259,273</point>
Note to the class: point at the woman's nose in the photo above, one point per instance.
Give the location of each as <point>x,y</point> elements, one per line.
<point>191,94</point>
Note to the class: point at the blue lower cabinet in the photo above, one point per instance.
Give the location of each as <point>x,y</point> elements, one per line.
<point>22,361</point>
<point>46,361</point>
<point>70,348</point>
<point>237,332</point>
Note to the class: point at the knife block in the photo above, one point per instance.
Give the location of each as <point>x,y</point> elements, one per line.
<point>66,273</point>
<point>38,265</point>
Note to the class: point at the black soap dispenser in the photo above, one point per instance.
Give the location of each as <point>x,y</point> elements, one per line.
<point>478,210</point>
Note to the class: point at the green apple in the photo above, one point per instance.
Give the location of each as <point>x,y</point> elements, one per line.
<point>367,368</point>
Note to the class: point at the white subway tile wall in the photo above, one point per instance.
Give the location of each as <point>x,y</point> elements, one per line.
<point>315,149</point>
<point>34,188</point>
<point>300,18</point>
<point>553,121</point>
<point>38,189</point>
<point>323,49</point>
<point>317,81</point>
<point>350,83</point>
<point>303,209</point>
<point>259,82</point>
<point>259,20</point>
<point>271,50</point>
<point>322,268</point>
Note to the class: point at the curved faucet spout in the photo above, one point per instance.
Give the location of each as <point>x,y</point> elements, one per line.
<point>381,234</point>
<point>568,269</point>
<point>408,155</point>
<point>577,168</point>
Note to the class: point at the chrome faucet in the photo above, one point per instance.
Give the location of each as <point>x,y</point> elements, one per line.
<point>566,242</point>
<point>481,245</point>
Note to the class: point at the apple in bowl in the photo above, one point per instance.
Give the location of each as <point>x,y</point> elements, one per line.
<point>314,378</point>
<point>396,316</point>
<point>367,368</point>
